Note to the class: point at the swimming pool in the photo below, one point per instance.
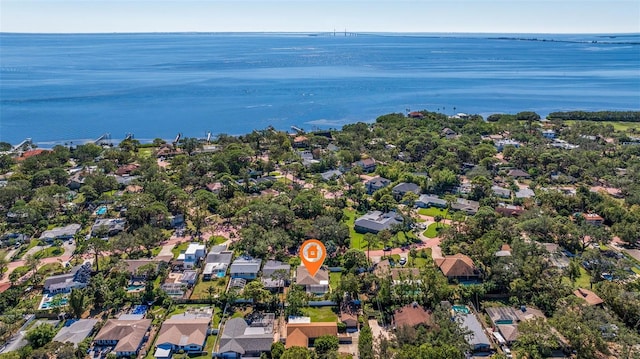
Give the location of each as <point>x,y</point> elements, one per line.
<point>101,210</point>
<point>461,309</point>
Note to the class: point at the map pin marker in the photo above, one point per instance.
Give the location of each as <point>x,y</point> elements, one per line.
<point>312,255</point>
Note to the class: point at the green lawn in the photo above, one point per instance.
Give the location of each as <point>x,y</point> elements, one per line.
<point>51,269</point>
<point>215,240</point>
<point>321,314</point>
<point>145,152</point>
<point>334,279</point>
<point>432,212</point>
<point>617,125</point>
<point>179,248</point>
<point>200,290</point>
<point>419,261</point>
<point>357,240</point>
<point>432,230</point>
<point>584,281</point>
<point>22,270</point>
<point>208,348</point>
<point>53,251</point>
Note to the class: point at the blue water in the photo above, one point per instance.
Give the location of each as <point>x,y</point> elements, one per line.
<point>101,210</point>
<point>55,87</point>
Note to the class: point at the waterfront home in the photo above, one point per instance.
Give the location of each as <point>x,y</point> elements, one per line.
<point>78,277</point>
<point>411,315</point>
<point>275,275</point>
<point>66,232</point>
<point>376,221</point>
<point>415,114</point>
<point>242,340</point>
<point>376,183</point>
<point>125,336</point>
<point>428,200</point>
<point>182,332</point>
<point>304,334</point>
<point>458,267</point>
<point>75,332</point>
<point>245,267</point>
<point>317,284</point>
<point>403,188</point>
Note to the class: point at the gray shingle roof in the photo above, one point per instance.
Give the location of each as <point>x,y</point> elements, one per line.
<point>377,221</point>
<point>405,187</point>
<point>76,332</point>
<point>236,338</point>
<point>245,265</point>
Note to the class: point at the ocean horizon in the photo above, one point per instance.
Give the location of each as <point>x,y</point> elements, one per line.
<point>58,88</point>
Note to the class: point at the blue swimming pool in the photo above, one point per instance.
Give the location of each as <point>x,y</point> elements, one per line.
<point>461,309</point>
<point>101,210</point>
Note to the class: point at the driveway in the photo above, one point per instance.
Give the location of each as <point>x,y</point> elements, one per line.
<point>18,340</point>
<point>377,330</point>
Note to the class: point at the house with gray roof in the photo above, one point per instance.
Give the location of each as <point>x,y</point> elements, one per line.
<point>468,206</point>
<point>245,267</point>
<point>275,274</point>
<point>376,183</point>
<point>477,339</point>
<point>242,340</point>
<point>66,232</point>
<point>331,175</point>
<point>217,262</point>
<point>75,331</point>
<point>428,200</point>
<point>525,193</point>
<point>403,188</point>
<point>376,221</point>
<point>501,191</point>
<point>112,226</point>
<point>64,283</point>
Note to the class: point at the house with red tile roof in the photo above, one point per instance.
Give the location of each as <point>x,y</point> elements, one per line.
<point>457,266</point>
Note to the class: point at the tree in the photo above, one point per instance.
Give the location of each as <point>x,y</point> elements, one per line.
<point>365,343</point>
<point>41,335</point>
<point>77,302</point>
<point>255,291</point>
<point>372,241</point>
<point>296,300</point>
<point>296,353</point>
<point>96,246</point>
<point>277,349</point>
<point>536,340</point>
<point>354,259</point>
<point>326,344</point>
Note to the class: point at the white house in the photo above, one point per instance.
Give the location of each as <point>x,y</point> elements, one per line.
<point>194,253</point>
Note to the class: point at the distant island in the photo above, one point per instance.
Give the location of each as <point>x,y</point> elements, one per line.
<point>447,236</point>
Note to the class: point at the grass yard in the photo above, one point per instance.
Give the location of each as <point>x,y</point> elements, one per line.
<point>432,212</point>
<point>53,251</point>
<point>433,229</point>
<point>334,279</point>
<point>617,125</point>
<point>51,269</point>
<point>357,240</point>
<point>200,290</point>
<point>208,348</point>
<point>179,248</point>
<point>321,314</point>
<point>22,270</point>
<point>146,152</point>
<point>584,281</point>
<point>419,261</point>
<point>215,240</point>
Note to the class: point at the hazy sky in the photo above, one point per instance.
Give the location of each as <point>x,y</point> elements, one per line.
<point>515,16</point>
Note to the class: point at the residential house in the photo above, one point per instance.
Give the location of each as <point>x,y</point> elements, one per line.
<point>458,266</point>
<point>505,251</point>
<point>75,332</point>
<point>300,142</point>
<point>214,187</point>
<point>518,173</point>
<point>509,210</point>
<point>307,158</point>
<point>168,150</point>
<point>64,283</point>
<point>403,188</point>
<point>304,334</point>
<point>505,321</point>
<point>411,315</point>
<point>593,219</point>
<point>590,297</point>
<point>217,262</point>
<point>183,332</point>
<point>477,339</point>
<point>501,144</point>
<point>139,268</point>
<point>245,267</point>
<point>415,114</point>
<point>24,155</point>
<point>110,226</point>
<point>314,284</point>
<point>465,205</point>
<point>367,164</point>
<point>76,180</point>
<point>376,221</point>
<point>275,275</point>
<point>126,336</point>
<point>126,170</point>
<point>525,193</point>
<point>331,175</point>
<point>501,191</point>
<point>448,133</point>
<point>66,232</point>
<point>376,183</point>
<point>549,134</point>
<point>350,319</point>
<point>405,276</point>
<point>428,200</point>
<point>194,253</point>
<point>242,340</point>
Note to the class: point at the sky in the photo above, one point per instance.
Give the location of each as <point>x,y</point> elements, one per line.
<point>466,16</point>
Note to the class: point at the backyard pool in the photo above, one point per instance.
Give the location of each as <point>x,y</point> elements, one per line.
<point>461,309</point>
<point>101,210</point>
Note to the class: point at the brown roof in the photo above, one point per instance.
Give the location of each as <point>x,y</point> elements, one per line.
<point>457,265</point>
<point>134,188</point>
<point>298,334</point>
<point>518,173</point>
<point>183,330</point>
<point>589,296</point>
<point>350,319</point>
<point>303,277</point>
<point>405,273</point>
<point>134,264</point>
<point>126,169</point>
<point>382,268</point>
<point>128,333</point>
<point>300,139</point>
<point>31,153</point>
<point>215,186</point>
<point>411,315</point>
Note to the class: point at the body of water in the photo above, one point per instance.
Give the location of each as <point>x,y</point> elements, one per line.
<point>79,86</point>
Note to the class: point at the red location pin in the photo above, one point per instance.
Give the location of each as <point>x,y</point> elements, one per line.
<point>312,255</point>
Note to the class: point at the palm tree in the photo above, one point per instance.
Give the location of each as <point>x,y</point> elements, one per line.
<point>372,241</point>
